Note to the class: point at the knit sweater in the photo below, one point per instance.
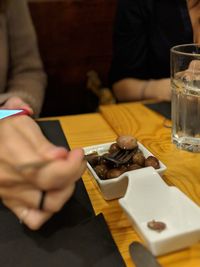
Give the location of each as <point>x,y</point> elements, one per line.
<point>21,70</point>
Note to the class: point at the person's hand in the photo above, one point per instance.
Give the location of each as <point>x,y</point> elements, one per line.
<point>22,142</point>
<point>15,102</point>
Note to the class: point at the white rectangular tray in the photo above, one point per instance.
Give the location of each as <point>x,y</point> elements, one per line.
<point>149,198</point>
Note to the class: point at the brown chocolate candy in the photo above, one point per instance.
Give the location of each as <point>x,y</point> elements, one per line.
<point>138,158</point>
<point>101,170</point>
<point>156,225</point>
<point>115,172</point>
<point>127,142</point>
<point>93,158</point>
<point>114,148</point>
<point>152,161</point>
<point>133,167</point>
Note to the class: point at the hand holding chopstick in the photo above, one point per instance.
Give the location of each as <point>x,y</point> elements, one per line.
<point>36,177</point>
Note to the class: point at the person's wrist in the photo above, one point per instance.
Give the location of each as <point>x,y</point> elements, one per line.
<point>158,89</point>
<point>143,90</point>
<point>149,92</point>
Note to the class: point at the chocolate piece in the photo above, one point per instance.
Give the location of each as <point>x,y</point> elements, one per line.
<point>156,225</point>
<point>152,161</point>
<point>101,171</point>
<point>127,142</point>
<point>113,148</point>
<point>138,158</point>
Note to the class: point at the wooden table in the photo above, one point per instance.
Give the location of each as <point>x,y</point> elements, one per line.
<point>183,168</point>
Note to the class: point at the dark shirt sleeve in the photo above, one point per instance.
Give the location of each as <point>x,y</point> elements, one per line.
<point>130,40</point>
<point>144,32</point>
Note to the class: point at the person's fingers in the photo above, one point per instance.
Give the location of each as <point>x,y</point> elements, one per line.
<point>60,173</point>
<point>51,151</point>
<point>33,218</point>
<point>54,200</point>
<point>31,197</point>
<point>36,218</point>
<point>26,186</point>
<point>23,193</point>
<point>16,102</point>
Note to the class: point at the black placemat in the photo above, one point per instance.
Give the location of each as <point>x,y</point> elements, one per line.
<point>88,244</point>
<point>74,237</point>
<point>163,108</point>
<point>80,200</point>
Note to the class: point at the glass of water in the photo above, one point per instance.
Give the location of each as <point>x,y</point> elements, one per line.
<point>185,82</point>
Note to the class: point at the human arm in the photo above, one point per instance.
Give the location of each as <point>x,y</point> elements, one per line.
<point>130,89</point>
<point>21,142</point>
<point>131,76</point>
<point>26,78</point>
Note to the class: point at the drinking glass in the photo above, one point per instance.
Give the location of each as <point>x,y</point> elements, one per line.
<point>185,83</point>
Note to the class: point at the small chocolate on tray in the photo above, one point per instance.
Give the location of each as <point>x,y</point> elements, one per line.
<point>157,226</point>
<point>122,156</point>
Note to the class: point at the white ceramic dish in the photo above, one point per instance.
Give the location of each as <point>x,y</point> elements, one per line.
<point>116,187</point>
<point>149,198</point>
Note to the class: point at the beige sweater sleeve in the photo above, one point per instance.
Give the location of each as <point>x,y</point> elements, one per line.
<point>26,77</point>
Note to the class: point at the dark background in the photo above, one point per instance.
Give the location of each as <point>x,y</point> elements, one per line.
<point>74,36</point>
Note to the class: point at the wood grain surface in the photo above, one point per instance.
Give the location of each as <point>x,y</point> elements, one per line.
<point>183,168</point>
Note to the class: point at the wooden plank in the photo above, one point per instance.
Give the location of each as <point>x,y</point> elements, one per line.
<point>183,168</point>
<point>91,129</point>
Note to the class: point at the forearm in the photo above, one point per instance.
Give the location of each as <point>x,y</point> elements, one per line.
<point>158,89</point>
<point>131,89</point>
